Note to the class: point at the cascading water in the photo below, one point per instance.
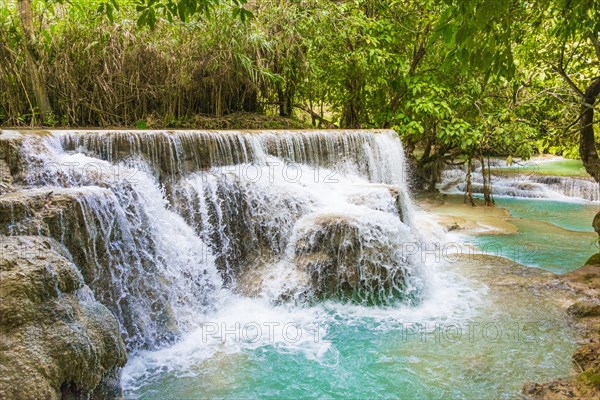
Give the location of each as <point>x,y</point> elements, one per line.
<point>548,200</point>
<point>140,259</point>
<point>330,228</point>
<point>213,249</point>
<point>160,214</point>
<point>527,183</point>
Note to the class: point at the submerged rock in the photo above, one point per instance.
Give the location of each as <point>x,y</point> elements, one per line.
<point>55,338</point>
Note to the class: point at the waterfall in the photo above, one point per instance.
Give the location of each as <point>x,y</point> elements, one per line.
<point>527,185</point>
<point>163,224</point>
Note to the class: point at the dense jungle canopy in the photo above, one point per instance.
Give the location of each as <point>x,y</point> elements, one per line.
<point>458,80</point>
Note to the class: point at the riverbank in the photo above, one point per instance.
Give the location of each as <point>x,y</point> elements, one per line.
<point>582,287</point>
<point>236,120</point>
<point>577,293</point>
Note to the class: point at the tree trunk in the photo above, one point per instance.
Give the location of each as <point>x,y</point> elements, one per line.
<point>31,60</point>
<point>588,148</point>
<point>351,109</point>
<point>487,196</point>
<point>491,190</point>
<point>469,191</point>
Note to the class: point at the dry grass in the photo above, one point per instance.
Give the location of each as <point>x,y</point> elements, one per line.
<point>103,74</point>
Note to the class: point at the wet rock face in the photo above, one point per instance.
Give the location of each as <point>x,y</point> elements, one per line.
<point>88,222</point>
<point>6,179</point>
<point>344,263</point>
<point>596,223</point>
<point>55,339</point>
<point>10,152</point>
<point>57,213</point>
<point>246,228</point>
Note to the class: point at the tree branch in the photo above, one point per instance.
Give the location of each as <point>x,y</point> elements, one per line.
<point>561,71</point>
<point>328,124</point>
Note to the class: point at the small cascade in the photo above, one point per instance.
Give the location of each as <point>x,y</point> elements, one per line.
<point>164,224</point>
<point>179,152</point>
<point>526,185</point>
<point>331,228</point>
<point>140,259</point>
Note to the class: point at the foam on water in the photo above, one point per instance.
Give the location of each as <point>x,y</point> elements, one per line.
<point>248,326</point>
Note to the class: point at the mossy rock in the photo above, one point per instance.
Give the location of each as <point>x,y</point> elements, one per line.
<point>593,260</point>
<point>596,223</point>
<point>583,309</point>
<point>55,338</point>
<point>590,379</point>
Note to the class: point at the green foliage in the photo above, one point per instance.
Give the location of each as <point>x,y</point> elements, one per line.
<point>589,377</point>
<point>151,10</point>
<point>454,78</point>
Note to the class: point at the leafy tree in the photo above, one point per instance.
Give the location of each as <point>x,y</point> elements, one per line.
<point>483,33</point>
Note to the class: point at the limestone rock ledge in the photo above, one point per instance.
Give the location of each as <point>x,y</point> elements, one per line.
<point>56,340</point>
<point>59,213</point>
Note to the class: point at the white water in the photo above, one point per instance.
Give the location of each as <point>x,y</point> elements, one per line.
<point>142,259</point>
<point>182,216</point>
<point>260,211</point>
<point>560,188</point>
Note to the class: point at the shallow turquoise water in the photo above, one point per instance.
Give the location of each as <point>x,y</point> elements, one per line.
<point>466,342</point>
<point>555,236</point>
<point>571,216</point>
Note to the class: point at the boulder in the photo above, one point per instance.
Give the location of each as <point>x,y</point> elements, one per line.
<point>11,156</point>
<point>55,338</point>
<point>347,259</point>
